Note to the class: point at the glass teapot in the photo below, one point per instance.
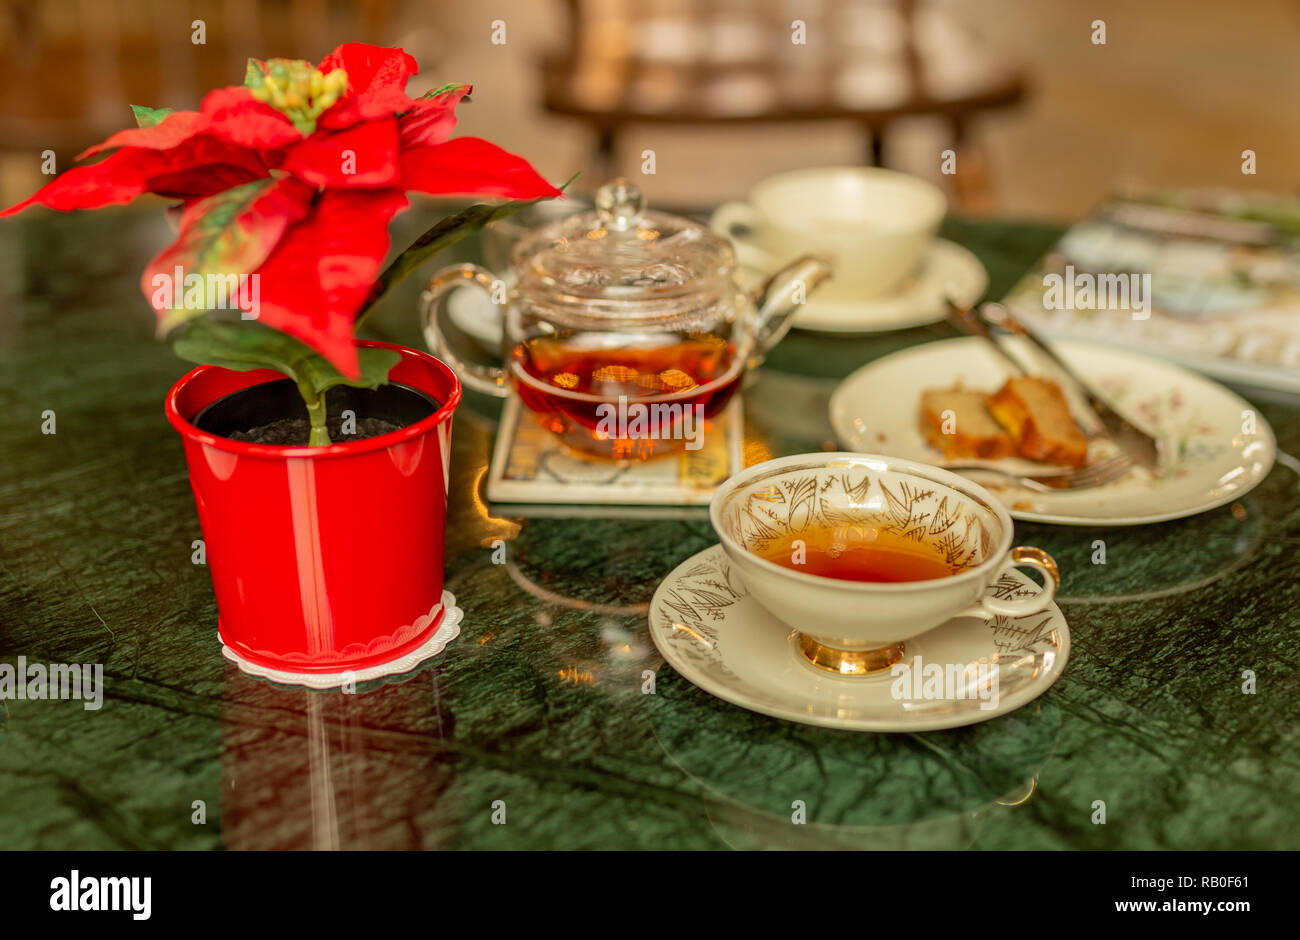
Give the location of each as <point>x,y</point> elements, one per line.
<point>624,329</point>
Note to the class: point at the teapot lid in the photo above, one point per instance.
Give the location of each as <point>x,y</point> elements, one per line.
<point>624,260</point>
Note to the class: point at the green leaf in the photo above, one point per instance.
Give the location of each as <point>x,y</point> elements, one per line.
<point>375,365</point>
<point>246,346</point>
<point>254,74</point>
<point>449,231</point>
<point>243,347</point>
<point>228,234</point>
<point>148,117</point>
<point>443,89</point>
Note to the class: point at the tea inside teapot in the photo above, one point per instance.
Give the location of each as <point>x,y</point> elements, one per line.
<point>642,400</point>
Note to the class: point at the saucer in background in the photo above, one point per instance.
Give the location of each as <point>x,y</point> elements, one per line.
<point>947,270</point>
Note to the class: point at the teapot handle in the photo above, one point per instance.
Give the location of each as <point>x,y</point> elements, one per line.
<point>779,297</point>
<point>489,379</point>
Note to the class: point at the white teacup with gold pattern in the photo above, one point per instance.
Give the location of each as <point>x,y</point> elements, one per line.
<point>859,553</point>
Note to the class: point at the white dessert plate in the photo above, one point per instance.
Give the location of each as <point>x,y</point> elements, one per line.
<point>1215,445</point>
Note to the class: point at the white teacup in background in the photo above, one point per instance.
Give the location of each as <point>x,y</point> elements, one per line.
<point>873,224</point>
<point>856,628</point>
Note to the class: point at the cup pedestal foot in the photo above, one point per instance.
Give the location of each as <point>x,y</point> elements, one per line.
<point>843,662</point>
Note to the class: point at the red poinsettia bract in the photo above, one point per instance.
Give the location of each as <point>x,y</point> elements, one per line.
<point>302,200</point>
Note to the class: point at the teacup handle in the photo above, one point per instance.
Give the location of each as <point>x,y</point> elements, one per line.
<point>989,606</point>
<point>489,379</point>
<point>729,220</point>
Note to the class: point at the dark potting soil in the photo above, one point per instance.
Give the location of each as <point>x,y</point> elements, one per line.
<point>295,432</point>
<point>243,415</point>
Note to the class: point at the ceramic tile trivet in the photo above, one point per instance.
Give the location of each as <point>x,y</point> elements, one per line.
<point>530,465</point>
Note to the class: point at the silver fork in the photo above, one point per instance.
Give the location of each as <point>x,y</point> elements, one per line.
<point>1140,446</point>
<point>1095,474</point>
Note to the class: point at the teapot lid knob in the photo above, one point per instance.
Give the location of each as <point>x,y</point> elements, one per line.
<point>619,204</point>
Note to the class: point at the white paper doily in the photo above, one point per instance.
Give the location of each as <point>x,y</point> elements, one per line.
<point>447,631</point>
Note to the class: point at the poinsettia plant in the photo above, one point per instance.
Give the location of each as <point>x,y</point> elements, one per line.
<point>289,182</point>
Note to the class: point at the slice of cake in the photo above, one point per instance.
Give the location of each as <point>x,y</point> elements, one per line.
<point>957,422</point>
<point>1035,413</point>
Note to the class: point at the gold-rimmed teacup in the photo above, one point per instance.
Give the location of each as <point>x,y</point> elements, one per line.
<point>860,628</point>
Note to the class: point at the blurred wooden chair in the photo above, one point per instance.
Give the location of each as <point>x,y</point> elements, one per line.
<point>741,61</point>
<point>69,69</point>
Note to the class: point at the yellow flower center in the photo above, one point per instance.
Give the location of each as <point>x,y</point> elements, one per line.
<point>295,88</point>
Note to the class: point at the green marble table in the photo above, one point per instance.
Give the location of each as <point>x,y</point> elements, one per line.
<point>537,706</point>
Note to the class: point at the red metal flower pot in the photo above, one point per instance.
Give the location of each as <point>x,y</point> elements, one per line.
<point>323,559</point>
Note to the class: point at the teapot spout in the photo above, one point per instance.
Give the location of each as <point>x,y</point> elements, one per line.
<point>780,296</point>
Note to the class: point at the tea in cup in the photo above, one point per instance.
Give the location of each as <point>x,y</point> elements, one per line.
<point>859,553</point>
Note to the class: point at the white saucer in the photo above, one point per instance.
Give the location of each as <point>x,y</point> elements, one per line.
<point>1209,459</point>
<point>948,270</point>
<point>709,629</point>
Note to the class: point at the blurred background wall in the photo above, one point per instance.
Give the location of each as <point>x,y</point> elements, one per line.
<point>1047,120</point>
